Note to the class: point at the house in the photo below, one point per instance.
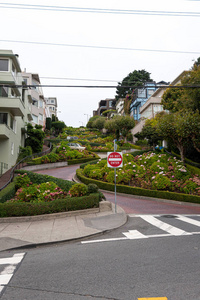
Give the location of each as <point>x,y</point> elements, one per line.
<point>153,105</point>
<point>51,106</point>
<point>141,95</point>
<point>104,105</point>
<point>36,97</point>
<point>14,109</point>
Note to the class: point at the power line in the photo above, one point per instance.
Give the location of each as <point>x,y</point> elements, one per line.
<point>79,79</point>
<point>98,86</point>
<point>98,10</point>
<point>102,47</point>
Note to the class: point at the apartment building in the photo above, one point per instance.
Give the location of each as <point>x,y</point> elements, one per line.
<point>51,106</point>
<point>36,98</point>
<point>104,105</point>
<point>14,109</point>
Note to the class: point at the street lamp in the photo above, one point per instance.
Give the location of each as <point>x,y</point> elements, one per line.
<point>87,116</point>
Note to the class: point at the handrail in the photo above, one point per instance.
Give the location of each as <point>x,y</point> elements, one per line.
<point>22,163</point>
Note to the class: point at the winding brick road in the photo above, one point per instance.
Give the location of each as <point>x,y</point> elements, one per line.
<point>132,204</point>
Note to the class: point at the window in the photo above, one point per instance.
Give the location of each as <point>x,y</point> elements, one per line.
<point>12,148</point>
<point>40,117</point>
<point>3,91</point>
<point>35,119</point>
<point>52,101</point>
<point>3,118</point>
<point>13,124</point>
<point>35,102</point>
<point>141,93</point>
<point>110,103</point>
<point>3,64</point>
<point>40,103</point>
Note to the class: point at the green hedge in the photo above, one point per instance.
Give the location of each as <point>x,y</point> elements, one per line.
<point>11,209</point>
<point>7,193</point>
<point>82,160</point>
<point>139,191</point>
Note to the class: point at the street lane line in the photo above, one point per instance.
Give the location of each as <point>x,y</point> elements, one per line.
<point>188,220</point>
<point>104,240</point>
<point>164,226</point>
<point>157,298</point>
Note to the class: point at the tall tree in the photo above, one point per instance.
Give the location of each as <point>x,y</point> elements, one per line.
<point>133,80</point>
<point>181,127</point>
<point>35,137</point>
<point>175,99</point>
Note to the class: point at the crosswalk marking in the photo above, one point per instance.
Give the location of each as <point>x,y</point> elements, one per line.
<point>188,220</point>
<point>154,221</point>
<point>8,271</point>
<point>164,226</point>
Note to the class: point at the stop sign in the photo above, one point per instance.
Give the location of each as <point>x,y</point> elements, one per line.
<point>114,159</point>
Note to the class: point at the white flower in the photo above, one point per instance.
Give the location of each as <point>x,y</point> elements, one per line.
<point>161,172</point>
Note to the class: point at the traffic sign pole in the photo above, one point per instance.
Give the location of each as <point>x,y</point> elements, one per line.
<point>115,160</point>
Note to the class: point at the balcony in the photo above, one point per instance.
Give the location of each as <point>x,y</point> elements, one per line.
<point>4,132</point>
<point>12,105</point>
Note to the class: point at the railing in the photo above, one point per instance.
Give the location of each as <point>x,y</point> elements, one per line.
<point>23,162</point>
<point>3,166</point>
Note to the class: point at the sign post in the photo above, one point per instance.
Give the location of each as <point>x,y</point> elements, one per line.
<point>114,160</point>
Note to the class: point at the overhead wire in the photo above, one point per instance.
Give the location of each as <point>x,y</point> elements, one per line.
<point>98,10</point>
<point>102,47</point>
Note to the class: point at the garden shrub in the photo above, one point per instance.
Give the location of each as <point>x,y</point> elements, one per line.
<point>161,182</point>
<point>22,181</point>
<point>78,189</point>
<point>65,185</point>
<point>7,193</point>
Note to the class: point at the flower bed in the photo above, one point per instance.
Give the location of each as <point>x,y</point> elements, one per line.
<point>149,171</point>
<point>64,153</point>
<point>35,196</point>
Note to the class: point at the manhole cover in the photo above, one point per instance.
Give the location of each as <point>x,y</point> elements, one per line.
<point>169,216</point>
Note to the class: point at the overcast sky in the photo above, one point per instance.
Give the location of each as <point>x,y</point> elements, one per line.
<point>127,35</point>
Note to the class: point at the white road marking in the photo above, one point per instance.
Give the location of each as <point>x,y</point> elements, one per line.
<point>164,226</point>
<point>8,271</point>
<point>104,240</point>
<point>134,234</point>
<point>188,220</point>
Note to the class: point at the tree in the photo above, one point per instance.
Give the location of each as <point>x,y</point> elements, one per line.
<point>124,124</point>
<point>181,127</point>
<point>35,138</point>
<point>149,131</point>
<point>58,125</point>
<point>175,99</point>
<point>91,121</point>
<point>99,123</point>
<point>134,79</point>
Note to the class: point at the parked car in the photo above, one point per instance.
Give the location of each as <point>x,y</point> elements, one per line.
<point>76,146</point>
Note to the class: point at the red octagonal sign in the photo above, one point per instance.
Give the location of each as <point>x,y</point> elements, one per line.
<point>114,159</point>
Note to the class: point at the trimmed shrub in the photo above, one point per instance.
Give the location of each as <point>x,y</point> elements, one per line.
<point>7,193</point>
<point>12,209</point>
<point>78,190</point>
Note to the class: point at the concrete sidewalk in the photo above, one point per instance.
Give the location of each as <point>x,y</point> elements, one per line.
<point>25,232</point>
